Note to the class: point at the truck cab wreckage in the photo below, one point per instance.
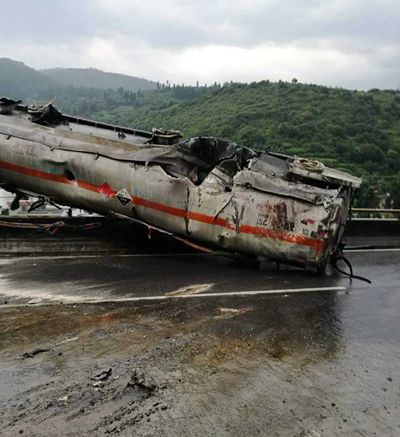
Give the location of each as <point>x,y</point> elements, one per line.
<point>204,190</point>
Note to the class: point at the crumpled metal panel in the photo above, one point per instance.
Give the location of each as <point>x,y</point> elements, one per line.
<point>227,197</point>
<point>282,187</point>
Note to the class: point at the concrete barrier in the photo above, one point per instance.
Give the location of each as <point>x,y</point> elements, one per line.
<point>373,227</point>
<point>108,235</point>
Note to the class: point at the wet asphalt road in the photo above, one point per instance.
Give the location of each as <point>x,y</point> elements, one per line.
<point>77,278</point>
<point>292,363</point>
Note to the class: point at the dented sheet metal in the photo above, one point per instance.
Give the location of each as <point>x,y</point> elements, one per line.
<point>203,189</point>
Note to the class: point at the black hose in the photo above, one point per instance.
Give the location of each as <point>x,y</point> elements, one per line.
<point>339,257</point>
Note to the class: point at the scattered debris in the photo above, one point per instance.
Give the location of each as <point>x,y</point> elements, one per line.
<point>242,310</point>
<point>140,382</point>
<point>190,289</point>
<point>102,376</point>
<point>67,340</point>
<point>34,352</point>
<point>232,312</point>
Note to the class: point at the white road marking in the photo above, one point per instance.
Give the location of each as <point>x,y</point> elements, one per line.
<point>156,255</point>
<point>389,249</point>
<point>184,296</point>
<point>190,289</point>
<point>216,294</point>
<point>101,255</point>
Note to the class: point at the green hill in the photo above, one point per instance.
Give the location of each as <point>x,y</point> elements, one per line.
<point>22,82</point>
<point>90,77</point>
<point>360,127</point>
<point>354,131</point>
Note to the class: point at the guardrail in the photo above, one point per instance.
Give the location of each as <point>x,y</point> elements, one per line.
<point>375,212</point>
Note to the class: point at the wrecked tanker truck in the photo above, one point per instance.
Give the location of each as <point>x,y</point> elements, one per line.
<point>205,190</point>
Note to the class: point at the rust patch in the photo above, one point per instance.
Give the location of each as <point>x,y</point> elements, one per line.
<point>275,216</point>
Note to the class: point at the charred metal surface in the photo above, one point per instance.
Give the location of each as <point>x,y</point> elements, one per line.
<point>211,190</point>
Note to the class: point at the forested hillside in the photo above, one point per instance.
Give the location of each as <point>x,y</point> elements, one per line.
<point>355,131</point>
<point>16,79</point>
<point>69,85</point>
<point>93,78</point>
<point>351,130</point>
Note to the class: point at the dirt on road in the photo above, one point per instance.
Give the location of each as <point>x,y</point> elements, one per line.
<point>268,365</point>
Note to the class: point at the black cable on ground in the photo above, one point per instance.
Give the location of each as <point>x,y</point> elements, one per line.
<point>371,247</point>
<point>338,256</point>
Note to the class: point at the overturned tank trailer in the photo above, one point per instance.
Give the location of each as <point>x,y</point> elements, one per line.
<point>205,190</point>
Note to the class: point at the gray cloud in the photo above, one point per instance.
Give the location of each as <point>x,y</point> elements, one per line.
<point>338,42</point>
<point>245,23</point>
<point>47,21</point>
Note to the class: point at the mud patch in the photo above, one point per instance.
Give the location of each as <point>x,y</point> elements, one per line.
<point>195,367</point>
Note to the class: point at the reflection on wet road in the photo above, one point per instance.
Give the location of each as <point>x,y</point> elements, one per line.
<point>76,279</point>
<point>318,362</point>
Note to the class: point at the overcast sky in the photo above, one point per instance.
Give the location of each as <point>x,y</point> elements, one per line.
<point>346,43</point>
